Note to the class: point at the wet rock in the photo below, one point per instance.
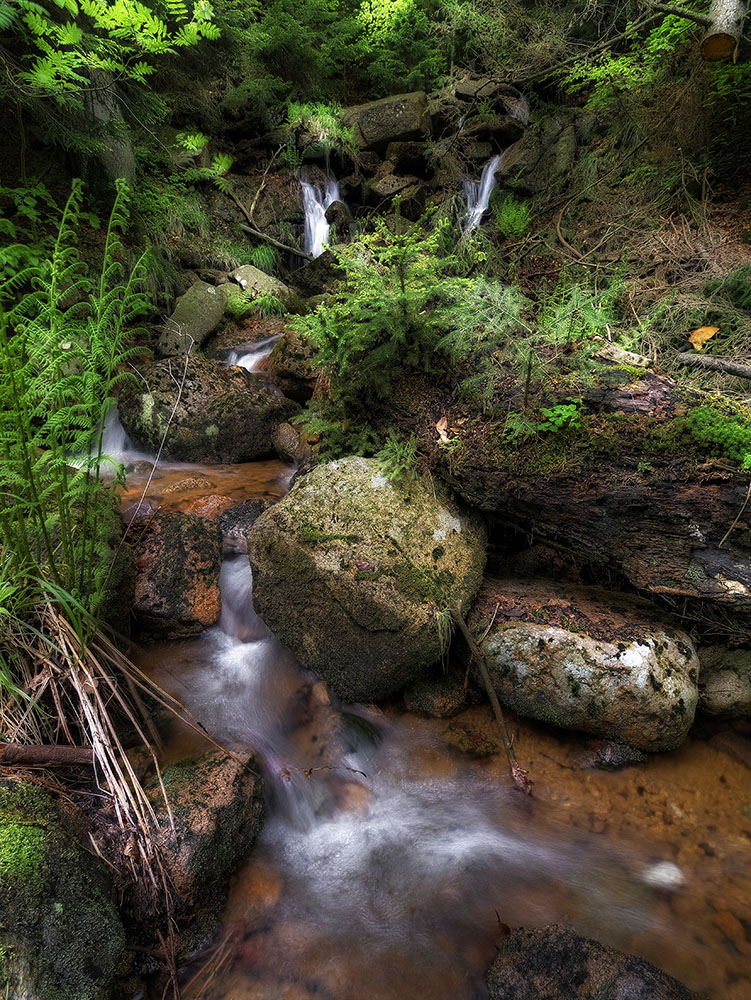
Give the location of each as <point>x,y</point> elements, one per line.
<point>555,963</point>
<point>392,119</point>
<point>243,333</point>
<point>217,805</point>
<point>237,522</point>
<point>178,558</point>
<point>503,130</point>
<point>293,365</point>
<point>587,659</point>
<point>725,681</point>
<point>610,755</point>
<point>289,444</point>
<point>60,933</point>
<point>351,572</point>
<point>197,314</point>
<point>223,414</point>
<point>317,275</point>
<point>436,696</point>
<point>339,218</point>
<point>255,282</point>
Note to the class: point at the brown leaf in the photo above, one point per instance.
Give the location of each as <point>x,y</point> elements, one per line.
<point>441,427</point>
<point>702,334</point>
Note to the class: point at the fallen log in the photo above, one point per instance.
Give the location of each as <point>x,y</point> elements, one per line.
<point>715,364</point>
<point>725,29</point>
<point>628,487</point>
<point>21,754</point>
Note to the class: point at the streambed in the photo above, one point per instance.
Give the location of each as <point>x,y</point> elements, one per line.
<point>392,854</point>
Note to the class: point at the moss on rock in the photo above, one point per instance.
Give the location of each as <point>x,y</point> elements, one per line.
<point>353,571</point>
<point>61,937</point>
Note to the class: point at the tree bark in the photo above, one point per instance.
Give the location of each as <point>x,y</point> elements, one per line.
<point>18,753</point>
<point>725,29</point>
<point>629,491</point>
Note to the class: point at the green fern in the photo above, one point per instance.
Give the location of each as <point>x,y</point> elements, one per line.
<point>62,345</point>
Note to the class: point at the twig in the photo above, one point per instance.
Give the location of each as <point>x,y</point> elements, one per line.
<point>714,364</point>
<point>738,516</point>
<point>261,186</point>
<point>251,228</point>
<point>518,775</point>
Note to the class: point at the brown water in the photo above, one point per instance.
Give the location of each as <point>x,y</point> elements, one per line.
<point>386,871</point>
<point>391,854</point>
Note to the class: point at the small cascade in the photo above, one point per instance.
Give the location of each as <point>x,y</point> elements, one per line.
<point>253,356</point>
<point>478,194</point>
<point>117,447</point>
<point>315,202</point>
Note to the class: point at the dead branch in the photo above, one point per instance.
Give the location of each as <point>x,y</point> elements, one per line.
<point>688,15</point>
<point>714,364</point>
<point>251,228</point>
<point>23,754</point>
<point>518,775</point>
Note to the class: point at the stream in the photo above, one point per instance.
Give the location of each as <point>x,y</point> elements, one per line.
<point>390,856</point>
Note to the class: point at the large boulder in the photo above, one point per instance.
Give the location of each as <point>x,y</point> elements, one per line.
<point>205,411</point>
<point>355,574</point>
<point>587,659</point>
<point>197,314</point>
<point>392,119</point>
<point>216,804</point>
<point>725,681</point>
<point>60,933</point>
<point>555,963</point>
<point>178,558</point>
<point>255,282</point>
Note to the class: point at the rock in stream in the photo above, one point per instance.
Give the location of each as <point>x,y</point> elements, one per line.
<point>352,571</point>
<point>587,659</point>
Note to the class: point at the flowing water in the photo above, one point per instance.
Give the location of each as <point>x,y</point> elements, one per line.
<point>389,858</point>
<point>253,357</point>
<point>477,194</point>
<point>315,202</point>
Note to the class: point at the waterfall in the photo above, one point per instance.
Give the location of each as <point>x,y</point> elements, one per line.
<point>478,194</point>
<point>315,202</point>
<point>253,356</point>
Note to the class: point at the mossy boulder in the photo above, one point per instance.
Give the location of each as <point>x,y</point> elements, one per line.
<point>216,803</point>
<point>392,119</point>
<point>587,659</point>
<point>223,414</point>
<point>555,963</point>
<point>61,937</point>
<point>352,573</point>
<point>178,558</point>
<point>197,314</point>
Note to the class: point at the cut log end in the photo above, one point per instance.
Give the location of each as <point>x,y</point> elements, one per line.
<point>714,48</point>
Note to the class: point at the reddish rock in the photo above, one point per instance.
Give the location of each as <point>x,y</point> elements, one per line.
<point>178,557</point>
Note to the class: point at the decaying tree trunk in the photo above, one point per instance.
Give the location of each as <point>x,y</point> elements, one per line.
<point>629,490</point>
<point>725,29</point>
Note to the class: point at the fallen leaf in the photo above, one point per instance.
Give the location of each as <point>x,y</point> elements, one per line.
<point>702,334</point>
<point>441,428</point>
